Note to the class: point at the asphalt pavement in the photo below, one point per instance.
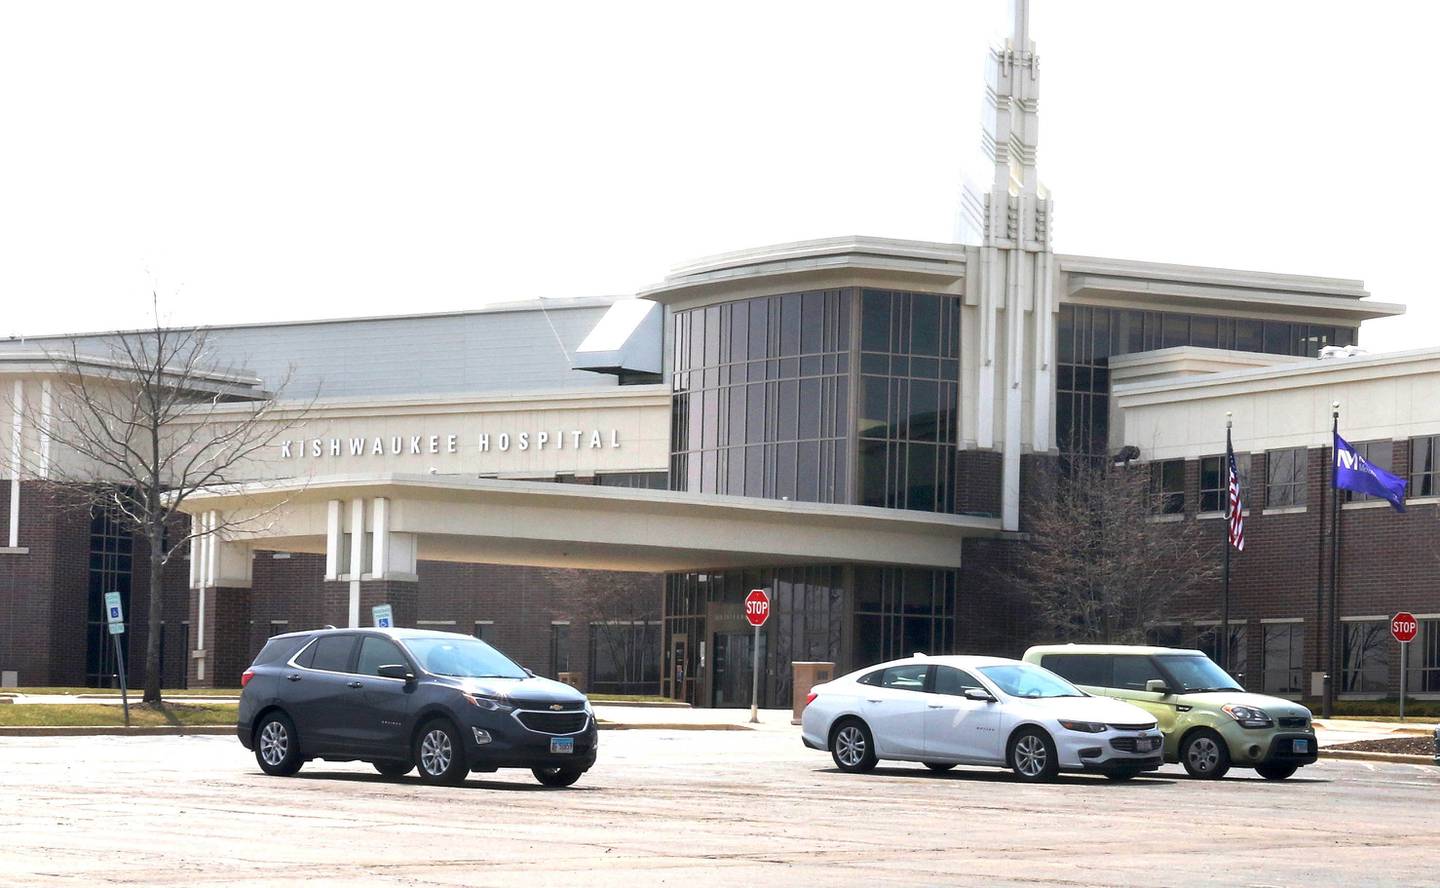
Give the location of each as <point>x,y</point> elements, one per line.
<point>692,808</point>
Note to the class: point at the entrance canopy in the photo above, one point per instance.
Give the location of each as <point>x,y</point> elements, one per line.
<point>386,523</point>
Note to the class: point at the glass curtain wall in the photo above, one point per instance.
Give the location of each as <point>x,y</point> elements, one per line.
<point>1090,336</point>
<point>111,570</point>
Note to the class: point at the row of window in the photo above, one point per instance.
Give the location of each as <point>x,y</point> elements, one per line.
<point>1366,652</point>
<point>1285,476</point>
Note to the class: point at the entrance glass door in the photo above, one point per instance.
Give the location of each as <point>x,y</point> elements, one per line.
<point>734,652</point>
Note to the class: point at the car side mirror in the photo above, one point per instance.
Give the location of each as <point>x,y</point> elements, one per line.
<point>1157,686</point>
<point>395,670</point>
<point>980,694</point>
<point>528,671</point>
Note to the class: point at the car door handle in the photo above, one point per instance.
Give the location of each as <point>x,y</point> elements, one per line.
<point>935,705</point>
<point>874,701</point>
<point>293,676</point>
<point>355,684</point>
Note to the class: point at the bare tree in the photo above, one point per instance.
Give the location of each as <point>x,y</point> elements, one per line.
<point>138,422</point>
<point>615,610</point>
<point>1105,559</point>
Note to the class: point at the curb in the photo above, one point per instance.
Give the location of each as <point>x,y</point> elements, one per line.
<point>1360,755</point>
<point>114,731</point>
<point>649,704</point>
<point>661,726</point>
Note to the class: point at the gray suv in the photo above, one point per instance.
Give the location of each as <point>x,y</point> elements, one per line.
<point>398,698</point>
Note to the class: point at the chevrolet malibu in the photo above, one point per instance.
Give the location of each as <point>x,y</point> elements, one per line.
<point>404,698</point>
<point>948,711</point>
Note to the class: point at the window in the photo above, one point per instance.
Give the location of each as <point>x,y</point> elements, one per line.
<point>1207,640</point>
<point>376,652</point>
<point>332,653</point>
<point>952,681</point>
<point>1380,454</point>
<point>279,627</point>
<point>1215,482</point>
<point>873,678</point>
<point>1424,653</point>
<point>1081,669</point>
<point>559,649</point>
<point>904,678</point>
<point>1284,657</point>
<point>625,657</point>
<point>484,629</point>
<point>1425,466</point>
<point>1167,484</point>
<point>1365,656</point>
<point>1285,477</point>
<point>1132,672</point>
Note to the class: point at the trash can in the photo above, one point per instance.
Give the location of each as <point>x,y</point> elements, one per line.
<point>805,676</point>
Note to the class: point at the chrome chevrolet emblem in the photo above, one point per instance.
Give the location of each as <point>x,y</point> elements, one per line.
<point>557,706</point>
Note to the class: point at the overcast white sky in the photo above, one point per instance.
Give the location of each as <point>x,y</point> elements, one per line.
<point>268,161</point>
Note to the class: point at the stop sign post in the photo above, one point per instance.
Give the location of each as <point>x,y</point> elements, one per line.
<point>757,611</point>
<point>1403,627</point>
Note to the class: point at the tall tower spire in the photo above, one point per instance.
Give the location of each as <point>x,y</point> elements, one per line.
<point>1009,224</point>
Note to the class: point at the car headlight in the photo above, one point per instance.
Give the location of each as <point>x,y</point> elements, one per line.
<point>488,702</point>
<point>1248,716</point>
<point>1082,727</point>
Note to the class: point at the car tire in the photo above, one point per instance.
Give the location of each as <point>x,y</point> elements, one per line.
<point>1032,756</point>
<point>440,754</point>
<point>1205,755</point>
<point>557,777</point>
<point>1276,772</point>
<point>852,746</point>
<point>393,770</point>
<point>277,745</point>
<point>940,766</point>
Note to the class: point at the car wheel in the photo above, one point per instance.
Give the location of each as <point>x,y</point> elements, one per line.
<point>557,776</point>
<point>277,746</point>
<point>1276,772</point>
<point>852,747</point>
<point>1205,755</point>
<point>393,769</point>
<point>1033,757</point>
<point>940,766</point>
<point>440,754</point>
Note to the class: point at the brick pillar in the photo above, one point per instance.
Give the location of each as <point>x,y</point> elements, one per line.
<point>220,651</point>
<point>402,596</point>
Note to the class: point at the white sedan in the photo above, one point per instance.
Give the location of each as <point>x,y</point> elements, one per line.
<point>948,711</point>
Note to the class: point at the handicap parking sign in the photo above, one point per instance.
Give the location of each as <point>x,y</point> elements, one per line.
<point>382,615</point>
<point>113,614</point>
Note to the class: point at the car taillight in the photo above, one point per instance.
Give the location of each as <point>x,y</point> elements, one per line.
<point>810,698</point>
<point>246,676</point>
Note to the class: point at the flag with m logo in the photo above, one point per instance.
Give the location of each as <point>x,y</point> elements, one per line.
<point>1353,472</point>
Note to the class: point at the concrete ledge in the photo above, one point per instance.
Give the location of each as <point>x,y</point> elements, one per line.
<point>115,731</point>
<point>1361,755</point>
<point>636,704</point>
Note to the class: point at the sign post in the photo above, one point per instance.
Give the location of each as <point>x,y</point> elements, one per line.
<point>757,611</point>
<point>115,617</point>
<point>383,616</point>
<point>1403,627</point>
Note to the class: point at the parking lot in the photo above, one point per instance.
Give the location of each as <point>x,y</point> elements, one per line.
<point>691,807</point>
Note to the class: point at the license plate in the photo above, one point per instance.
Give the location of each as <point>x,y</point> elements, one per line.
<point>1147,744</point>
<point>562,745</point>
<point>1302,746</point>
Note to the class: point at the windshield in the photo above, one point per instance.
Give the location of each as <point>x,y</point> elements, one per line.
<point>1024,680</point>
<point>1196,672</point>
<point>462,658</point>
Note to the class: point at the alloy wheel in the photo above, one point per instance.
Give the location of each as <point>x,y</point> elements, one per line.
<point>435,752</point>
<point>274,743</point>
<point>1204,755</point>
<point>850,746</point>
<point>1031,756</point>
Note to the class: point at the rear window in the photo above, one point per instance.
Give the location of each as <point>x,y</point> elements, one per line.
<point>279,650</point>
<point>332,653</point>
<point>1080,669</point>
<point>905,678</point>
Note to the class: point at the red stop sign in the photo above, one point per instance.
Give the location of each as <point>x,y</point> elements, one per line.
<point>1404,627</point>
<point>757,607</point>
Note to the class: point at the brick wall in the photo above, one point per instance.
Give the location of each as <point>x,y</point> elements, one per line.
<point>43,592</point>
<point>977,482</point>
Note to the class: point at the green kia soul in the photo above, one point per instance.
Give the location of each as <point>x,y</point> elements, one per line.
<point>1210,723</point>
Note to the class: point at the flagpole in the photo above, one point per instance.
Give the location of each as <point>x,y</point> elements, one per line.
<point>1331,623</point>
<point>1225,595</point>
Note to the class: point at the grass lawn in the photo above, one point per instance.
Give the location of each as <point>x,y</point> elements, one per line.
<point>107,714</point>
<point>135,692</point>
<point>628,698</point>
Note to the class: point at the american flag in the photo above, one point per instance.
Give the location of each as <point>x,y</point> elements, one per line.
<point>1234,508</point>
